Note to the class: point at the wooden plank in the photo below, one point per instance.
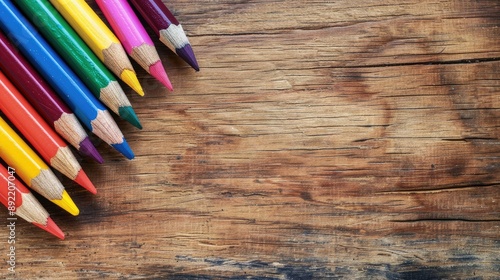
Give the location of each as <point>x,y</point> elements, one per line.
<point>321,139</point>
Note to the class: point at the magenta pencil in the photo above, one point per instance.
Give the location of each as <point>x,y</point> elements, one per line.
<point>134,37</point>
<point>167,28</point>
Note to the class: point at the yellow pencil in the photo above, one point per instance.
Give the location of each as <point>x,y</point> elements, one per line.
<point>99,38</point>
<point>32,169</point>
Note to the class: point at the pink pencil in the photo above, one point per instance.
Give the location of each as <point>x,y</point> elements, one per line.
<point>134,37</point>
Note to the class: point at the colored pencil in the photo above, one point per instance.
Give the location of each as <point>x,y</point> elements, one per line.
<point>79,57</point>
<point>39,134</point>
<point>32,169</point>
<point>99,38</point>
<point>134,37</point>
<point>45,101</point>
<point>167,28</point>
<point>70,88</point>
<point>25,204</point>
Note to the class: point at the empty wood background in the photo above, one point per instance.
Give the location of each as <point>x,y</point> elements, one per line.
<point>321,139</point>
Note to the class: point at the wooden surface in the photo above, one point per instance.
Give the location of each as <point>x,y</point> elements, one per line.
<point>321,139</point>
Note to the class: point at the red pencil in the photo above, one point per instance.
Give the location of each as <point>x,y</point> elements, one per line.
<point>17,198</point>
<point>46,141</point>
<point>167,27</point>
<point>44,99</point>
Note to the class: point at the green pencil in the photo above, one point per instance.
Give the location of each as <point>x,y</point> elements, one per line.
<point>78,55</point>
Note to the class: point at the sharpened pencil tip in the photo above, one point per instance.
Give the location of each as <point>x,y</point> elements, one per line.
<point>187,54</point>
<point>159,73</point>
<point>127,113</point>
<point>67,204</point>
<point>125,149</point>
<point>83,180</point>
<point>88,149</point>
<point>51,228</point>
<point>130,78</point>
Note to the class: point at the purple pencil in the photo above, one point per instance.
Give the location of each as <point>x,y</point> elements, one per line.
<point>46,102</point>
<point>167,27</point>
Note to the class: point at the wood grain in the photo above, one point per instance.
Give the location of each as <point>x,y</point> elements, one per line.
<point>321,139</point>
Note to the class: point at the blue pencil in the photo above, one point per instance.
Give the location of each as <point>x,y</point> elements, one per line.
<point>59,75</point>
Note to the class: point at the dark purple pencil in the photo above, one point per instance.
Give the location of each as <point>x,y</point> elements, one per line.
<point>46,102</point>
<point>168,29</point>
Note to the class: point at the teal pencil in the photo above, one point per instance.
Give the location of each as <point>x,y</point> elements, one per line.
<point>59,75</point>
<point>80,58</point>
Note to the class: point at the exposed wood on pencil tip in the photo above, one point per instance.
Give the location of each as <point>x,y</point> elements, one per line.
<point>27,206</point>
<point>69,126</point>
<point>117,101</point>
<point>118,62</point>
<point>175,39</point>
<point>47,184</point>
<point>66,163</point>
<point>31,210</point>
<point>106,128</point>
<point>145,55</point>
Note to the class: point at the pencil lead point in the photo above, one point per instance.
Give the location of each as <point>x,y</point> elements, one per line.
<point>67,204</point>
<point>83,180</point>
<point>52,228</point>
<point>127,113</point>
<point>124,148</point>
<point>130,78</point>
<point>159,73</point>
<point>187,54</point>
<point>88,149</point>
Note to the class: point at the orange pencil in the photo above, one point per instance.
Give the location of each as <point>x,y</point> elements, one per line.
<point>17,198</point>
<point>43,138</point>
